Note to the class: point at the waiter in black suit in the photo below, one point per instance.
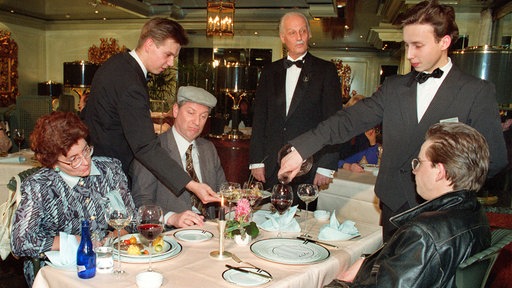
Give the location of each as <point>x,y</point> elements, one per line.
<point>294,95</point>
<point>407,105</point>
<point>117,110</point>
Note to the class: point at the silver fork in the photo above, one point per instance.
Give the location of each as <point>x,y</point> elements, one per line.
<point>239,261</point>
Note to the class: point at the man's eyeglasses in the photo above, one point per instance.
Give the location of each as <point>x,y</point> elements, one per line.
<point>415,163</point>
<point>76,161</point>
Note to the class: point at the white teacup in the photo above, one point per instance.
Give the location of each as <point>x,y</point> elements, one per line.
<point>149,279</point>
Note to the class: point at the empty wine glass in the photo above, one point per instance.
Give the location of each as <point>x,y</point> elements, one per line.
<point>18,136</point>
<point>252,191</point>
<point>150,225</point>
<point>307,193</point>
<point>304,168</point>
<point>118,217</point>
<point>231,193</point>
<point>281,199</point>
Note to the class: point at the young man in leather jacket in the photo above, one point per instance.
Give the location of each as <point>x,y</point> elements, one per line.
<point>435,237</point>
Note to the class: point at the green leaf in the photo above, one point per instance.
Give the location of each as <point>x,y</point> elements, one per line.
<point>252,229</point>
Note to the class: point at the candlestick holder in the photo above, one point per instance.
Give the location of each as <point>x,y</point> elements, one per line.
<point>221,254</point>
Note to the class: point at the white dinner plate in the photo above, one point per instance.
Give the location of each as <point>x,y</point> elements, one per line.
<point>246,279</point>
<point>175,251</point>
<point>289,251</point>
<point>167,249</point>
<point>193,235</point>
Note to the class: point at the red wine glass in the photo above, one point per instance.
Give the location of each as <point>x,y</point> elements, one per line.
<point>150,225</point>
<point>281,199</point>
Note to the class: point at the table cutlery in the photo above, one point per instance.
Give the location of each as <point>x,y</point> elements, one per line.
<point>247,271</point>
<point>306,240</point>
<point>239,261</point>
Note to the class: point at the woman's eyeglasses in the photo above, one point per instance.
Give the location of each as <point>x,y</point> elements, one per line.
<point>76,161</point>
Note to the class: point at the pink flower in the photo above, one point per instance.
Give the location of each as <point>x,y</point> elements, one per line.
<point>242,210</point>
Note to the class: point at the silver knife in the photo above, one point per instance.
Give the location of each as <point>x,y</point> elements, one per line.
<point>316,242</point>
<point>247,271</point>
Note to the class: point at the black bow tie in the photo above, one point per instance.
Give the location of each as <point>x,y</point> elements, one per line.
<point>289,63</point>
<point>422,77</point>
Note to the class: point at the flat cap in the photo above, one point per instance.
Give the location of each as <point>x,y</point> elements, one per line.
<point>196,95</point>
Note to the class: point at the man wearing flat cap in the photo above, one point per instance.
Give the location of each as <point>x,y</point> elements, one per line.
<point>197,156</point>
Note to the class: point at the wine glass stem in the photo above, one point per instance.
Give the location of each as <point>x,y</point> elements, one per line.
<point>306,221</point>
<point>150,249</point>
<point>119,251</point>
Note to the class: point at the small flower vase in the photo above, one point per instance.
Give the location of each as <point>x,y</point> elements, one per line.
<point>244,241</point>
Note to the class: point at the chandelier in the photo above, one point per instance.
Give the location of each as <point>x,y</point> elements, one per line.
<point>220,16</point>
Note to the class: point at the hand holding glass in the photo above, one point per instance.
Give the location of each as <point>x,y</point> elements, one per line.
<point>304,168</point>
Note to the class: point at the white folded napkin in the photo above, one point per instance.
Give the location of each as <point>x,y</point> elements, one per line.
<point>334,231</point>
<point>12,159</point>
<point>65,258</point>
<point>286,222</point>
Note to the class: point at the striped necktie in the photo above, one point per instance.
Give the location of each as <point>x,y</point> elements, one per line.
<point>196,202</point>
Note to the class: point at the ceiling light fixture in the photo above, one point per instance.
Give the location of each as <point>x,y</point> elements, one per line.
<point>220,18</point>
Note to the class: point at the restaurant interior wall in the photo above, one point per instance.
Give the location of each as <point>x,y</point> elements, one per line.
<point>31,56</point>
<point>43,47</point>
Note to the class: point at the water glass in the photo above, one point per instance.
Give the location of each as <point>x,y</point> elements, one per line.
<point>104,259</point>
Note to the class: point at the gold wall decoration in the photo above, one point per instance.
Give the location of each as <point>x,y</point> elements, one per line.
<point>107,48</point>
<point>344,72</point>
<point>8,69</point>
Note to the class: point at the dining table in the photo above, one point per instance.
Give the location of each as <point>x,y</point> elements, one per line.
<point>11,165</point>
<point>352,194</point>
<point>193,266</point>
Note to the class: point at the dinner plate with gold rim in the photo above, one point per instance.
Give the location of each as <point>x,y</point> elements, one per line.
<point>193,235</point>
<point>175,251</point>
<point>289,251</point>
<point>167,248</point>
<point>242,279</point>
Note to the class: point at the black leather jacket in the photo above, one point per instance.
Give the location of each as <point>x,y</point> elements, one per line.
<point>433,239</point>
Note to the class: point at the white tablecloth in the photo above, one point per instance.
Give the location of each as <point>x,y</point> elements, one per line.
<point>195,268</point>
<point>8,170</point>
<point>352,196</point>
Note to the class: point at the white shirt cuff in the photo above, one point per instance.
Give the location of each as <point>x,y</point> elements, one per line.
<point>256,165</point>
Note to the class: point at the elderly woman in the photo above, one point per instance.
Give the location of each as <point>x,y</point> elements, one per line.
<point>71,186</point>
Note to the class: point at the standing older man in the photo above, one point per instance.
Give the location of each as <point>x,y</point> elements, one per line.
<point>197,156</point>
<point>117,110</point>
<point>294,95</point>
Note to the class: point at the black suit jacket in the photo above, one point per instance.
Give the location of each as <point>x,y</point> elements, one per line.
<point>461,96</point>
<point>118,116</point>
<point>317,96</point>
